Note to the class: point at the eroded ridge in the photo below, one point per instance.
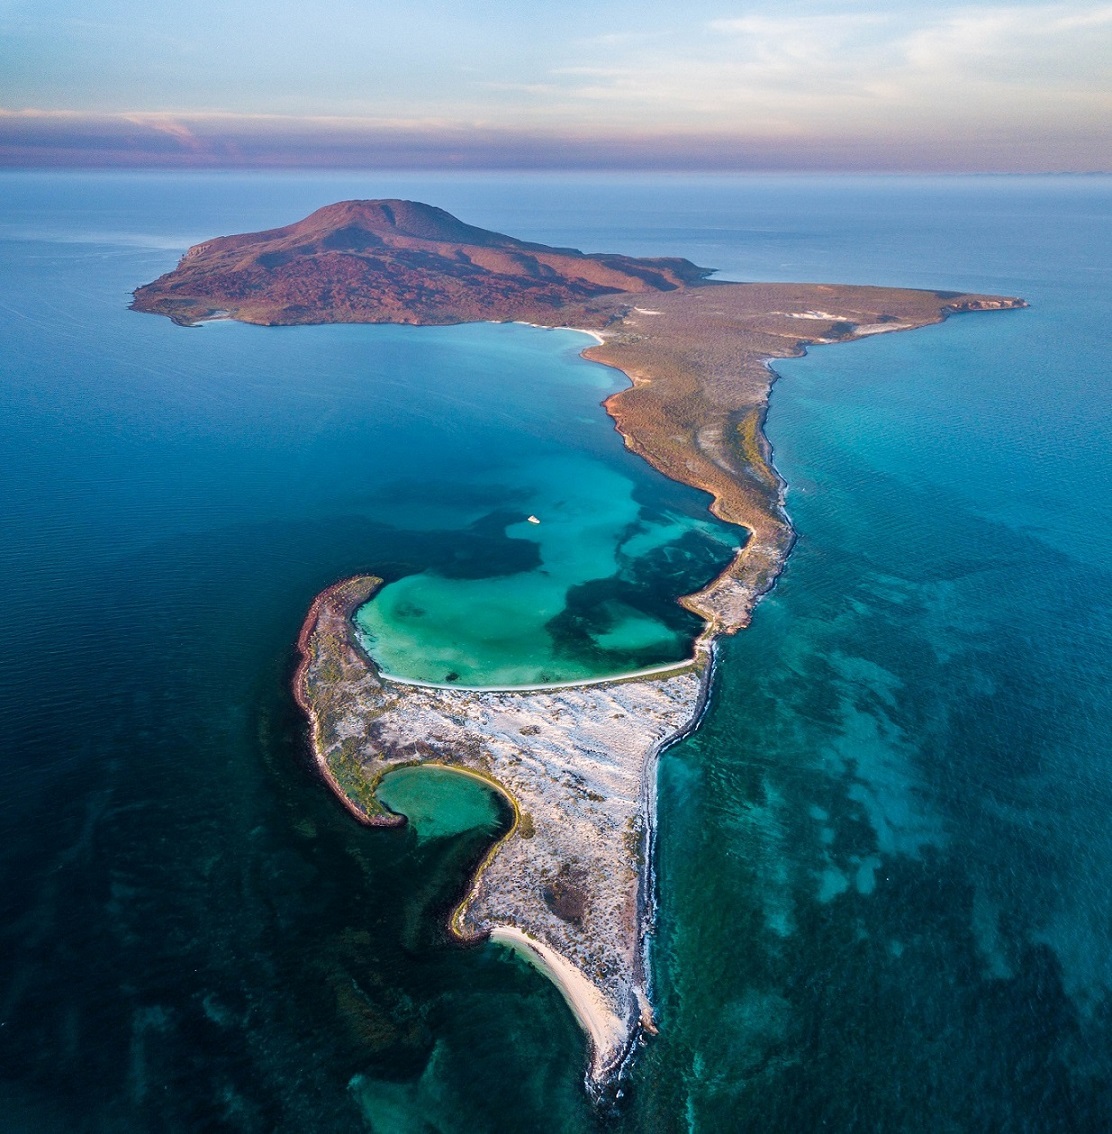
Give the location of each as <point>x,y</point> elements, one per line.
<point>568,886</point>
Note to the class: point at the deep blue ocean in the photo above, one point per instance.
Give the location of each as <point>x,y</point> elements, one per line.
<point>885,861</point>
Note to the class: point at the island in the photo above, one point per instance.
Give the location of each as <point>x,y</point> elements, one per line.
<point>570,884</point>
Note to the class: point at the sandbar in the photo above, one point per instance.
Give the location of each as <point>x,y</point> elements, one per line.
<point>571,884</point>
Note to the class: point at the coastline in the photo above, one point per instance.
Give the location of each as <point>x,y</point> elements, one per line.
<point>608,679</point>
<point>700,372</point>
<point>571,885</point>
<point>308,705</point>
<point>596,335</point>
<point>647,891</point>
<point>612,1043</point>
<point>695,408</point>
<point>582,787</point>
<point>605,1030</point>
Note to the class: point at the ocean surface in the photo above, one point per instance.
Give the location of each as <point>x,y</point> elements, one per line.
<point>885,861</point>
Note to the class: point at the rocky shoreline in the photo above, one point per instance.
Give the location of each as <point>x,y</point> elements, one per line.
<point>569,885</point>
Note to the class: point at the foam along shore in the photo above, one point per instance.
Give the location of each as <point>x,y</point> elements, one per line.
<point>607,1032</point>
<point>609,679</point>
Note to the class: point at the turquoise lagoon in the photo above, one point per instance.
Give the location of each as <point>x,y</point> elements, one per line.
<point>441,802</point>
<point>511,444</point>
<point>884,862</point>
<point>519,629</point>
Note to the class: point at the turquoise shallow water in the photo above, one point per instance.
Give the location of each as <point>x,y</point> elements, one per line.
<point>595,545</point>
<point>439,803</point>
<point>884,861</point>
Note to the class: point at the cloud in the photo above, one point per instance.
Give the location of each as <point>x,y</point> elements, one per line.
<point>32,137</point>
<point>991,85</point>
<point>806,69</point>
<point>1055,44</point>
<point>930,54</point>
<point>166,124</point>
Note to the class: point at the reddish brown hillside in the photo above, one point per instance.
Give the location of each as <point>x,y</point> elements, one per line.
<point>395,262</point>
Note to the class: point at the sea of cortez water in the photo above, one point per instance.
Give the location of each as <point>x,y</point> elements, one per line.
<point>885,860</point>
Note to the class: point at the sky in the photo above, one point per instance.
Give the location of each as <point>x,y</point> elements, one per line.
<point>609,84</point>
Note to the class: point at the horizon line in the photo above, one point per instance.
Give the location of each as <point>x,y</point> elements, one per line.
<point>61,166</point>
<point>164,140</point>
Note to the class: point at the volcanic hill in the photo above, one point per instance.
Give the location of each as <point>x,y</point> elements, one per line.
<point>398,262</point>
<point>578,762</point>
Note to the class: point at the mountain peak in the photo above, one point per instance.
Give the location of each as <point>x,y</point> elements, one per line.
<point>394,217</point>
<point>391,260</point>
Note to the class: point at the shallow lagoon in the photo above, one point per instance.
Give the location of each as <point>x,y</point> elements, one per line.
<point>512,444</point>
<point>619,561</point>
<point>441,802</point>
<point>884,860</point>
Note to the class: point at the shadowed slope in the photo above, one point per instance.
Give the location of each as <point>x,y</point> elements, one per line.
<point>395,262</point>
<point>570,884</point>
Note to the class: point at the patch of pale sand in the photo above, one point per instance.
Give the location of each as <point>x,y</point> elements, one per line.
<point>606,1030</point>
<point>859,329</point>
<point>597,336</point>
<point>548,686</point>
<point>879,328</point>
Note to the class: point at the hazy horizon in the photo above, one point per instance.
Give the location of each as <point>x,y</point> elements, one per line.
<point>838,86</point>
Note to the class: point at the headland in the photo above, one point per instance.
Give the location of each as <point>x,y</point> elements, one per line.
<point>570,885</point>
<point>398,262</point>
